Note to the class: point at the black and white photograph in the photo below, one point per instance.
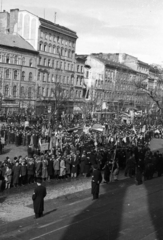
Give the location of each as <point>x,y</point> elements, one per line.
<point>81,120</point>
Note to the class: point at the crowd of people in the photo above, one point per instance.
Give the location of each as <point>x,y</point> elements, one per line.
<point>73,150</point>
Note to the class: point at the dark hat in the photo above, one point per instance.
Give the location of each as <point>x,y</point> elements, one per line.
<point>95,166</point>
<point>39,180</point>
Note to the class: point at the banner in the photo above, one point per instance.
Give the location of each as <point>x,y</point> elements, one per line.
<point>44,147</point>
<point>156,144</point>
<point>2,140</point>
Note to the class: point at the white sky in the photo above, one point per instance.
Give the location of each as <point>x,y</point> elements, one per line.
<point>130,26</point>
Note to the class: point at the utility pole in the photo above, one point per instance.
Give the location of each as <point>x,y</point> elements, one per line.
<point>55,17</point>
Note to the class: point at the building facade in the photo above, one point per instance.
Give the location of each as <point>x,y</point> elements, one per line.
<point>18,71</point>
<point>113,83</point>
<point>56,61</point>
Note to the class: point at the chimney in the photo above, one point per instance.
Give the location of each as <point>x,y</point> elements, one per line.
<point>4,22</point>
<point>14,20</point>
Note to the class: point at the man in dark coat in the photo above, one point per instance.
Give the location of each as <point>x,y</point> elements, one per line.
<point>96,180</point>
<point>38,199</point>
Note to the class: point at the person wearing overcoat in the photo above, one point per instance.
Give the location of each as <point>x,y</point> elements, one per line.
<point>38,199</point>
<point>96,180</point>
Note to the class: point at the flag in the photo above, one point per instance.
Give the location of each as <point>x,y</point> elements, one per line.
<point>143,129</point>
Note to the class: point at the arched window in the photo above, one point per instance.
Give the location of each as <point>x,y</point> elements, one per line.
<point>69,53</point>
<point>40,46</point>
<point>38,76</point>
<point>62,52</point>
<point>7,74</point>
<point>45,47</point>
<point>38,91</point>
<point>52,92</point>
<point>72,80</point>
<point>58,50</point>
<point>52,78</point>
<point>43,91</point>
<point>30,62</point>
<point>15,75</point>
<point>72,54</point>
<point>23,76</point>
<point>47,92</point>
<point>22,92</point>
<point>57,65</point>
<point>29,92</point>
<point>6,90</point>
<point>16,60</point>
<point>14,91</point>
<point>65,52</point>
<point>44,61</point>
<point>54,49</point>
<point>40,61</point>
<point>48,77</point>
<point>7,59</point>
<point>43,77</point>
<point>23,61</point>
<point>49,62</point>
<point>30,76</point>
<point>67,79</point>
<point>50,48</point>
<point>52,63</point>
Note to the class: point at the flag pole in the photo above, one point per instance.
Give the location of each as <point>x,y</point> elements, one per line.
<point>111,174</point>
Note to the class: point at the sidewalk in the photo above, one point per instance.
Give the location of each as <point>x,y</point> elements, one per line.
<point>17,205</point>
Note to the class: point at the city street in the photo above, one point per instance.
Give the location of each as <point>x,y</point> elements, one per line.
<point>124,212</point>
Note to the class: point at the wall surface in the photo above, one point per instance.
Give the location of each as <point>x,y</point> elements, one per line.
<point>28,25</point>
<point>4,22</point>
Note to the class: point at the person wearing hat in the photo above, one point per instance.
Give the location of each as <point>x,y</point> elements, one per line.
<point>38,199</point>
<point>96,180</point>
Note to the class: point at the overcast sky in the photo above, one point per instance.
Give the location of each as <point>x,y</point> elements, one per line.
<point>130,26</point>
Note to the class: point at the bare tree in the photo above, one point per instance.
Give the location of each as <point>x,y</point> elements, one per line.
<point>153,91</point>
<point>26,98</point>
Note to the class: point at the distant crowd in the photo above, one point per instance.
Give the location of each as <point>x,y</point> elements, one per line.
<point>72,151</point>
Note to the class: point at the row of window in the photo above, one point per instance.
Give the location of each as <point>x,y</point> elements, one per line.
<point>46,77</point>
<point>80,69</point>
<point>58,39</point>
<point>16,75</point>
<point>15,90</point>
<point>62,65</point>
<point>17,60</point>
<point>46,92</point>
<point>50,92</point>
<point>139,68</point>
<point>56,50</point>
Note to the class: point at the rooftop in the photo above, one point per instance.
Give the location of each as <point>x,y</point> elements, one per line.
<point>143,63</point>
<point>15,41</point>
<point>48,24</point>
<point>114,64</point>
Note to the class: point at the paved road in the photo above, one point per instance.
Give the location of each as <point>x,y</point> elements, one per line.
<point>123,212</point>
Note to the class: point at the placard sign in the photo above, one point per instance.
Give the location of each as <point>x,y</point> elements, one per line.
<point>44,147</point>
